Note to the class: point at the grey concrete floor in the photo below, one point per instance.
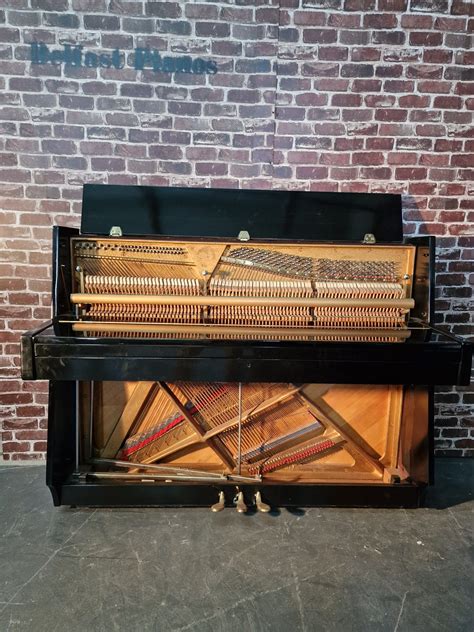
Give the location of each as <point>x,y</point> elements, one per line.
<point>176,570</point>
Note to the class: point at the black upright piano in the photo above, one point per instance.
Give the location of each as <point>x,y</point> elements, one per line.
<point>246,348</point>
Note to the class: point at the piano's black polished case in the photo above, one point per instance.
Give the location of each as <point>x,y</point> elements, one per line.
<point>429,357</point>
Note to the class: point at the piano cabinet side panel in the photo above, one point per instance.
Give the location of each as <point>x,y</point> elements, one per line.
<point>416,438</point>
<point>62,266</point>
<point>61,448</point>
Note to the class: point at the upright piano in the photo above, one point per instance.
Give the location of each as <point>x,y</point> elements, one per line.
<point>247,348</point>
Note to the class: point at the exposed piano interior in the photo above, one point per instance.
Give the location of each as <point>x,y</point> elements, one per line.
<point>138,288</point>
<point>269,432</point>
<point>241,345</point>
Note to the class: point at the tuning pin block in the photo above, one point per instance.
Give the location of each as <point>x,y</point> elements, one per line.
<point>240,504</point>
<point>220,504</point>
<point>261,506</point>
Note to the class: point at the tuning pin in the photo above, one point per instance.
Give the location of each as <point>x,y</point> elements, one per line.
<point>261,506</point>
<point>241,506</point>
<point>220,504</point>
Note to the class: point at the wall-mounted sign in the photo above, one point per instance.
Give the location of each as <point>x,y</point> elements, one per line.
<point>74,56</point>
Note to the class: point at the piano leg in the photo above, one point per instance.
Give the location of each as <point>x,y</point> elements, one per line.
<point>77,429</point>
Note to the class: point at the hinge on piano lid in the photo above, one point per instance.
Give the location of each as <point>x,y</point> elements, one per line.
<point>115,231</point>
<point>243,236</point>
<point>369,238</point>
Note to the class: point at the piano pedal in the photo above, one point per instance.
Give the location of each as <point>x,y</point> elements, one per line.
<point>240,503</point>
<point>261,506</point>
<point>220,504</point>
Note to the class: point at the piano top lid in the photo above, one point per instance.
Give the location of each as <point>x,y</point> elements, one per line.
<point>224,213</point>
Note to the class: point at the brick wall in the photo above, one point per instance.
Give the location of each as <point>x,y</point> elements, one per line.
<point>333,95</point>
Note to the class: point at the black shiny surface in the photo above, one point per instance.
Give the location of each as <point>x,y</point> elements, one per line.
<point>442,360</point>
<point>196,212</point>
<point>200,495</point>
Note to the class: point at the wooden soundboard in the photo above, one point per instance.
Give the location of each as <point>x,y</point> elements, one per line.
<point>288,433</point>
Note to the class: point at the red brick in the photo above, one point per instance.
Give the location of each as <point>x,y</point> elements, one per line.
<point>437,56</point>
<point>357,70</point>
<point>411,174</point>
<point>247,32</point>
<point>380,20</point>
<point>462,160</point>
<point>344,20</point>
<point>359,5</point>
<point>319,36</point>
<point>402,158</point>
<point>443,144</point>
<point>452,103</point>
<point>336,159</point>
<point>442,174</point>
<point>362,129</point>
<point>425,116</point>
<point>398,86</point>
<point>450,24</point>
<point>461,7</point>
<point>313,173</point>
<point>333,53</point>
<point>393,70</point>
<point>402,55</point>
<point>388,37</point>
<point>383,144</point>
<point>457,117</point>
<point>392,5</point>
<point>317,69</point>
<point>430,130</point>
<point>410,21</point>
<point>426,38</point>
<point>331,85</point>
<point>434,86</point>
<point>366,85</point>
<point>368,158</point>
<point>203,11</point>
<point>434,160</point>
<point>358,38</point>
<point>378,100</point>
<point>346,100</point>
<point>464,88</point>
<point>365,54</point>
<point>376,173</point>
<point>16,446</point>
<point>303,157</point>
<point>312,18</point>
<point>108,164</point>
<point>389,114</point>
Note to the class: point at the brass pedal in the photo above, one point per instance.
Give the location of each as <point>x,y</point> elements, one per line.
<point>220,504</point>
<point>239,501</point>
<point>261,506</point>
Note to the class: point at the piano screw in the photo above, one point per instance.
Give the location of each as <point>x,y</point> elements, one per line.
<point>406,277</point>
<point>220,504</point>
<point>204,272</point>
